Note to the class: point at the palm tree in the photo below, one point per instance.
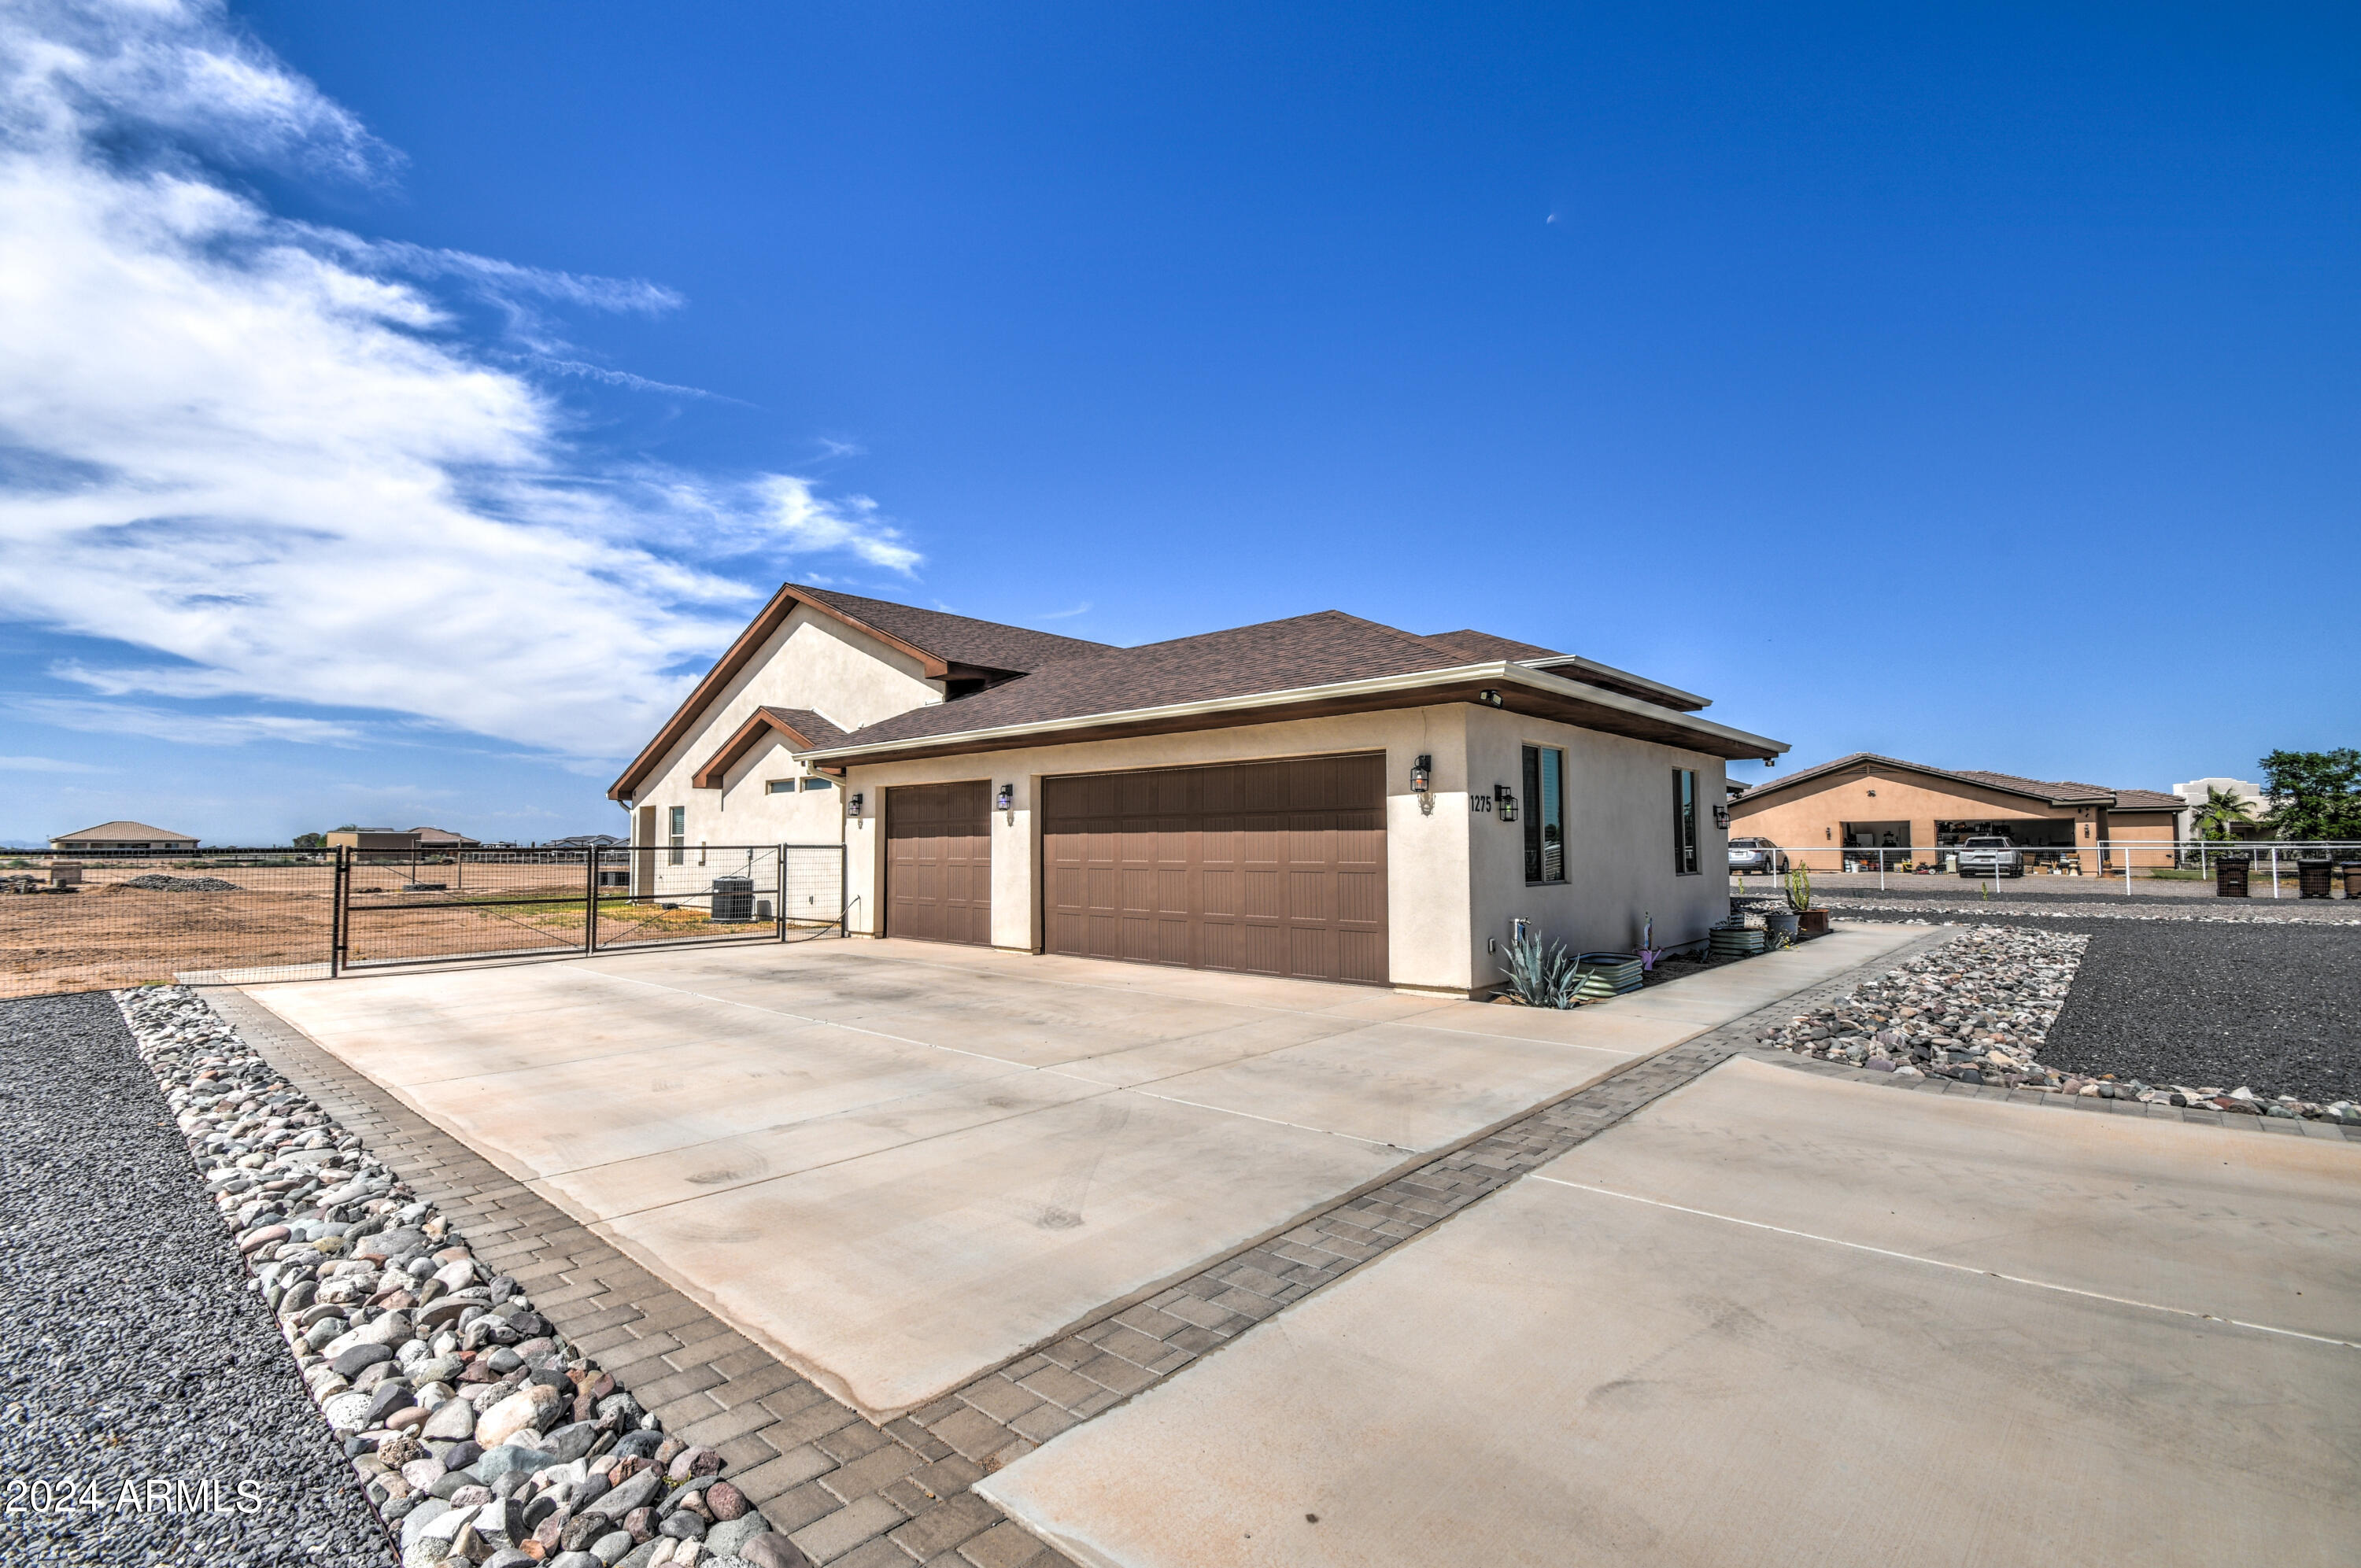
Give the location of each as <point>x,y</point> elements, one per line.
<point>2221,812</point>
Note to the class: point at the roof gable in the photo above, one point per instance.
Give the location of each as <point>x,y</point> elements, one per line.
<point>108,830</point>
<point>803,729</point>
<point>936,639</point>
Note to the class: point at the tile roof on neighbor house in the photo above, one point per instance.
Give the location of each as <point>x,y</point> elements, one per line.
<point>2147,800</point>
<point>956,639</point>
<point>2052,791</point>
<point>110,832</point>
<point>1317,649</point>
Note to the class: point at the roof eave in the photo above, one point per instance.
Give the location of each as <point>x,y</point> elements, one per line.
<point>1368,694</point>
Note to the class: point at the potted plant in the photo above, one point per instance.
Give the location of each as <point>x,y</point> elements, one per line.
<point>1812,922</point>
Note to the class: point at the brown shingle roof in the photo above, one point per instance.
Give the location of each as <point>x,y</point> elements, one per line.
<point>2056,792</point>
<point>1483,645</point>
<point>957,639</point>
<point>111,831</point>
<point>1275,656</point>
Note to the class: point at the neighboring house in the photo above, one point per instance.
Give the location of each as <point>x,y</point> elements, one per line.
<point>1321,796</point>
<point>1867,802</point>
<point>2194,794</point>
<point>122,838</point>
<point>441,839</point>
<point>374,841</point>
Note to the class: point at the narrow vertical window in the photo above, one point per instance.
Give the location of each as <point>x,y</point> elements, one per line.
<point>1684,822</point>
<point>678,834</point>
<point>1544,814</point>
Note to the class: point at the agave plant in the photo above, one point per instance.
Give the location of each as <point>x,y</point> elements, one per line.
<point>1799,886</point>
<point>1648,950</point>
<point>1542,977</point>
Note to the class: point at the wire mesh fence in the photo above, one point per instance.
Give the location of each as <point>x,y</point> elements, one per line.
<point>83,922</point>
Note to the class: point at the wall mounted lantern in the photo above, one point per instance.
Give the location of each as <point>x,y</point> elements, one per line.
<point>852,806</point>
<point>1422,776</point>
<point>1504,803</point>
<point>1005,800</point>
<point>1722,817</point>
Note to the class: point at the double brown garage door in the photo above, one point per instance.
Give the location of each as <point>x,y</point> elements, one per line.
<point>1269,867</point>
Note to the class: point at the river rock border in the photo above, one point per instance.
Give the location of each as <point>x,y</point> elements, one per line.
<point>1978,1010</point>
<point>479,1434</point>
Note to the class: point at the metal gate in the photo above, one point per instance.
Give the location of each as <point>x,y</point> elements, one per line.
<point>449,907</point>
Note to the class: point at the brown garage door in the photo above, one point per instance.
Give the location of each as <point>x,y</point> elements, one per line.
<point>938,862</point>
<point>1271,868</point>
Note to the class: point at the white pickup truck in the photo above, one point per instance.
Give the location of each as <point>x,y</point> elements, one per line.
<point>1990,857</point>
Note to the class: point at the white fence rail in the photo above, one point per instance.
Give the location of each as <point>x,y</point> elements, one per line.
<point>2280,860</point>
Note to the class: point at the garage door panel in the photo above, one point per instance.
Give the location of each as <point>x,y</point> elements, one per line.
<point>1271,868</point>
<point>938,862</point>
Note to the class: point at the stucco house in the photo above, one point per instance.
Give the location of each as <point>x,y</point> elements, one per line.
<point>1321,797</point>
<point>122,838</point>
<point>1866,801</point>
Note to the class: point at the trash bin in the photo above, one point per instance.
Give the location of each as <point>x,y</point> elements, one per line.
<point>733,898</point>
<point>2312,878</point>
<point>2229,878</point>
<point>2352,870</point>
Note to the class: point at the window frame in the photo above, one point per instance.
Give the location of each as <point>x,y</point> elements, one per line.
<point>778,786</point>
<point>1688,860</point>
<point>816,781</point>
<point>676,824</point>
<point>1544,808</point>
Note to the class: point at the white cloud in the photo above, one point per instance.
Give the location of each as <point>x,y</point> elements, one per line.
<point>45,765</point>
<point>267,451</point>
<point>192,729</point>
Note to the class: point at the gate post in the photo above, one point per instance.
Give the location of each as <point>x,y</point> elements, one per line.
<point>590,901</point>
<point>339,911</point>
<point>780,907</point>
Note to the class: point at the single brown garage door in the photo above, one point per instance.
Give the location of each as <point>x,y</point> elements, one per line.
<point>1271,868</point>
<point>938,862</point>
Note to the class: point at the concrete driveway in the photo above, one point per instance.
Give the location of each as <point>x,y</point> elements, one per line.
<point>1782,1318</point>
<point>899,1165</point>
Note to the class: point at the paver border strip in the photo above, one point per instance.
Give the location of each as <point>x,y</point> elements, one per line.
<point>865,1495</point>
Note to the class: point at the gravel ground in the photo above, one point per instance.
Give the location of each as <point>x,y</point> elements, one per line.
<point>136,1357</point>
<point>2275,1009</point>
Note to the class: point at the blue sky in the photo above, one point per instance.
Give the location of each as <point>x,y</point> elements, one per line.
<point>417,397</point>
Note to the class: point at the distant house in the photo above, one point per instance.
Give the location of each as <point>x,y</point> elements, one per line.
<point>2194,794</point>
<point>443,839</point>
<point>1868,802</point>
<point>374,841</point>
<point>121,838</point>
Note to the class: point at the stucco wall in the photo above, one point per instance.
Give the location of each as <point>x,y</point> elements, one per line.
<point>812,661</point>
<point>1426,853</point>
<point>1455,875</point>
<point>1620,850</point>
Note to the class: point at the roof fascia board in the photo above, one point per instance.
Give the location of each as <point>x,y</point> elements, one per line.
<point>1005,736</point>
<point>750,641</point>
<point>1689,701</point>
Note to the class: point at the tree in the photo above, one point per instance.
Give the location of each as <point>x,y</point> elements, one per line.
<point>311,840</point>
<point>2222,812</point>
<point>2314,795</point>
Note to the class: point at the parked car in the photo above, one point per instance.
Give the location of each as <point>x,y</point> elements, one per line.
<point>1755,855</point>
<point>1990,857</point>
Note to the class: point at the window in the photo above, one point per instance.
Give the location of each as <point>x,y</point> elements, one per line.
<point>1684,822</point>
<point>779,786</point>
<point>1544,814</point>
<point>819,783</point>
<point>678,824</point>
